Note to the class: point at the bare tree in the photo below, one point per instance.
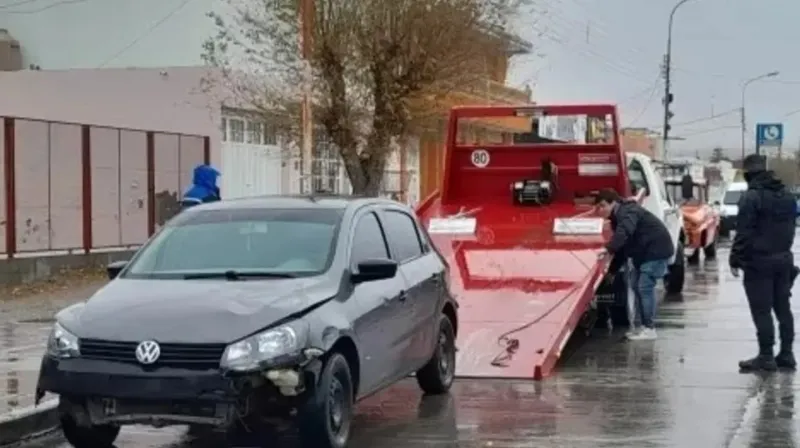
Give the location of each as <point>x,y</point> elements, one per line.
<point>374,65</point>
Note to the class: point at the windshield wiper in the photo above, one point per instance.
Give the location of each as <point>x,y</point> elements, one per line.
<point>235,275</point>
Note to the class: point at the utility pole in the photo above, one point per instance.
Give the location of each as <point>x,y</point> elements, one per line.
<point>306,15</point>
<point>744,98</point>
<point>666,72</point>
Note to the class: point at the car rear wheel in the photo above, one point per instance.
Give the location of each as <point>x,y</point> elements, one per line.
<point>438,374</point>
<point>97,436</point>
<point>676,274</point>
<point>328,413</point>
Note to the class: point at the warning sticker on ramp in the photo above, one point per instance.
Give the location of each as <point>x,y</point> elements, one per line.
<point>578,226</point>
<point>452,226</point>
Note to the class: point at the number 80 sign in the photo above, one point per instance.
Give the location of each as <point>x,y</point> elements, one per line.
<point>480,158</point>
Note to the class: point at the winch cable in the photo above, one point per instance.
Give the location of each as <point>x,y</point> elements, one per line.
<point>511,345</point>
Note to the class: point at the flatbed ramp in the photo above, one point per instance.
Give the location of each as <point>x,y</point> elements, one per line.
<point>521,292</point>
<point>522,286</point>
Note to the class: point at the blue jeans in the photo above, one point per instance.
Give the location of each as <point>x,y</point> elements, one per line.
<point>643,282</point>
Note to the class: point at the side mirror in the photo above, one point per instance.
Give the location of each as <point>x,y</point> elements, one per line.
<point>716,203</point>
<point>375,269</point>
<point>114,268</point>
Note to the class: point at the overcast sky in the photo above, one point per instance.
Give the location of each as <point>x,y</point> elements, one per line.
<point>611,50</point>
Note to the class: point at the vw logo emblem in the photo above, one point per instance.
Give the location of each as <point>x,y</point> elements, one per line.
<point>148,352</point>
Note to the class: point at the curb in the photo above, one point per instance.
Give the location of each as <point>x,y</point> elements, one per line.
<point>28,423</point>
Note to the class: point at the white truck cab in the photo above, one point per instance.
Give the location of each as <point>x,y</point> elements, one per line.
<point>643,175</point>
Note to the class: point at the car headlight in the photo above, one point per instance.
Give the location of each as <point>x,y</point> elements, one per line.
<point>252,352</point>
<point>62,343</point>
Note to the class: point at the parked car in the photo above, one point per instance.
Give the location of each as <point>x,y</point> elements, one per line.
<point>253,310</point>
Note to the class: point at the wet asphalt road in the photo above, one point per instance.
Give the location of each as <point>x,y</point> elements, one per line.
<point>683,390</point>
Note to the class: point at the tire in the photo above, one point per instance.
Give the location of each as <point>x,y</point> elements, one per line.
<point>99,436</point>
<point>618,315</point>
<point>436,377</point>
<point>710,251</point>
<point>676,273</point>
<point>694,258</point>
<point>327,415</point>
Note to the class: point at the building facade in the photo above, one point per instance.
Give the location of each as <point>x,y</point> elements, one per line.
<point>641,140</point>
<point>138,65</point>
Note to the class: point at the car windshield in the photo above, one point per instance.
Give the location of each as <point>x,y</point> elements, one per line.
<point>732,197</point>
<point>241,243</point>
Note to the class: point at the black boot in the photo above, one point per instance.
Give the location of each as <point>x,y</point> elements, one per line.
<point>785,360</point>
<point>764,362</point>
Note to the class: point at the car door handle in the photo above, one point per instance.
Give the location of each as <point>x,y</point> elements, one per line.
<point>436,279</point>
<point>403,296</point>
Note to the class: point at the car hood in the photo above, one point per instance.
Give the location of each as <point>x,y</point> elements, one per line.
<point>192,311</point>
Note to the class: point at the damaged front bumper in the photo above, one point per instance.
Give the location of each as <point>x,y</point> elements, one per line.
<point>95,392</point>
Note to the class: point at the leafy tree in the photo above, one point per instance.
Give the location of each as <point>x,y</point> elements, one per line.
<point>718,155</point>
<point>372,65</point>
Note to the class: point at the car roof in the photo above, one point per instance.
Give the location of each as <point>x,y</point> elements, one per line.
<point>325,201</point>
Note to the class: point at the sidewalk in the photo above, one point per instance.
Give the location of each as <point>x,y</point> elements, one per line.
<point>25,322</point>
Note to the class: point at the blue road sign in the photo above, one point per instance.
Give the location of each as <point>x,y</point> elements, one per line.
<point>769,134</point>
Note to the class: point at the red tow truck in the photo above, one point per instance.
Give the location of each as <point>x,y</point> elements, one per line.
<point>514,218</point>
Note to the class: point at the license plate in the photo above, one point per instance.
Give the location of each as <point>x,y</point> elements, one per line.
<point>109,407</point>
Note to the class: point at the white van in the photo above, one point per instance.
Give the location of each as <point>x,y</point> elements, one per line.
<point>729,207</point>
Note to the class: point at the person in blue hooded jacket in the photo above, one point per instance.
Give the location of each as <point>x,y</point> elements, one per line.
<point>204,187</point>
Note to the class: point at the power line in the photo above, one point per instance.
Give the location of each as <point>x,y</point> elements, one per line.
<point>647,103</point>
<point>703,119</point>
<point>37,10</point>
<point>146,33</point>
<point>708,131</point>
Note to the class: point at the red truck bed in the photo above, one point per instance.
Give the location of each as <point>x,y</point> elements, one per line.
<point>521,289</point>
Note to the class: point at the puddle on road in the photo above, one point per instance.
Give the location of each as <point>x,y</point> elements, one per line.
<point>21,346</point>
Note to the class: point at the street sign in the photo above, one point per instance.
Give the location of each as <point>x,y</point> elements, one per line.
<point>769,135</point>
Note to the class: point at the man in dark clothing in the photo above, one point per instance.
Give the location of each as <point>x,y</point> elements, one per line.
<point>204,187</point>
<point>762,249</point>
<point>642,237</point>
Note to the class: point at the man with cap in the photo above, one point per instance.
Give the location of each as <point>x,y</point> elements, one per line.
<point>762,249</point>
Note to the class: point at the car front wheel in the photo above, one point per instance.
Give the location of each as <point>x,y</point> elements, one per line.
<point>676,273</point>
<point>328,412</point>
<point>97,436</point>
<point>437,375</point>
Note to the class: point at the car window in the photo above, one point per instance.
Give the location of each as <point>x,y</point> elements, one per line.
<point>404,239</point>
<point>280,241</point>
<point>636,176</point>
<point>368,240</point>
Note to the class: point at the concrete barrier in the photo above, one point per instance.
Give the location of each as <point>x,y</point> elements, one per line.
<point>28,423</point>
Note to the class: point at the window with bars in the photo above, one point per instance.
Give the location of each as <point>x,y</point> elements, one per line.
<point>236,130</point>
<point>253,132</point>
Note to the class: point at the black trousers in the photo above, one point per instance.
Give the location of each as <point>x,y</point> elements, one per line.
<point>768,286</point>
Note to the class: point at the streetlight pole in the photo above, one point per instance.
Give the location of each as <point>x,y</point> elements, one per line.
<point>667,73</point>
<point>744,92</point>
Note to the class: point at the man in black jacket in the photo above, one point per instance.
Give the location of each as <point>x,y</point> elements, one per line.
<point>643,238</point>
<point>762,249</point>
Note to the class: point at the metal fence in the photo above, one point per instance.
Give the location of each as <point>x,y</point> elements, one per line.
<point>77,188</point>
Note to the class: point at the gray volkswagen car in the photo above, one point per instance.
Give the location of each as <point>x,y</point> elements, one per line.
<point>246,313</point>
